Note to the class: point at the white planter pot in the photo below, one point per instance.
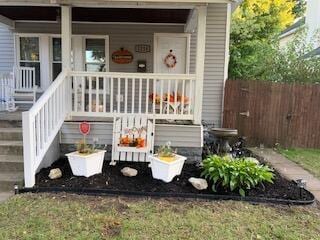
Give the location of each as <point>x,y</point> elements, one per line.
<point>166,171</point>
<point>86,165</point>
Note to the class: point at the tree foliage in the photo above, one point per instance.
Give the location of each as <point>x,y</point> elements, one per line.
<point>255,25</point>
<point>300,8</point>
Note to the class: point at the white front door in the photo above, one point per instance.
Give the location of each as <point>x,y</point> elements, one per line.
<point>176,44</point>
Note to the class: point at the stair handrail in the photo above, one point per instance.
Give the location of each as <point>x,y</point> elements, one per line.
<point>42,123</point>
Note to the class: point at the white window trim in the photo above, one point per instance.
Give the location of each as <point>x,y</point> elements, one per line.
<point>51,61</point>
<point>106,38</point>
<point>18,56</point>
<point>155,47</point>
<point>46,71</point>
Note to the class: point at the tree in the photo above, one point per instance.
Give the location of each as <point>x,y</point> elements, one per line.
<point>255,25</point>
<point>300,8</point>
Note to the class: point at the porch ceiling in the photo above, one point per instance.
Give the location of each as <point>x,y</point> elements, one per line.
<point>140,15</point>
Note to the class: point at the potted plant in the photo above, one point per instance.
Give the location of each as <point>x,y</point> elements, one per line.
<point>87,160</point>
<point>166,164</point>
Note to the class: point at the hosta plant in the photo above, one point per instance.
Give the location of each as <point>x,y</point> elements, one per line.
<point>235,174</point>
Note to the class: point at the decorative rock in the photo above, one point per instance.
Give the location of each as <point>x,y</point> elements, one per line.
<point>198,183</point>
<point>129,172</point>
<point>55,173</point>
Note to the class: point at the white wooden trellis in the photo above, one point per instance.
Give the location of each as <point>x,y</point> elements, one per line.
<point>132,154</point>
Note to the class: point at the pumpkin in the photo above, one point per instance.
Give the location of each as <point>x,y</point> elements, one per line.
<point>122,56</point>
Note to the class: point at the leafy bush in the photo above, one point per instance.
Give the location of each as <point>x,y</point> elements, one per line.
<point>230,173</point>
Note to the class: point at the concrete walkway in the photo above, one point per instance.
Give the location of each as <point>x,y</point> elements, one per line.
<point>5,195</point>
<point>289,170</point>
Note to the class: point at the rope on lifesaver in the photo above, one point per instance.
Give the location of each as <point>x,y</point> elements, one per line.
<point>171,60</point>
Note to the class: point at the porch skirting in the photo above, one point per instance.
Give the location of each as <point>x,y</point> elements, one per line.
<point>186,138</point>
<point>193,154</point>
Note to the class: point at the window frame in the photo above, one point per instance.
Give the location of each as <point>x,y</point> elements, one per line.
<point>106,50</point>
<point>51,60</point>
<point>18,52</point>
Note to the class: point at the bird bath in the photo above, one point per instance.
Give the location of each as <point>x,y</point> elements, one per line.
<point>224,135</point>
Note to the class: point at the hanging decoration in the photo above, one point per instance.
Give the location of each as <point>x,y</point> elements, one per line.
<point>170,60</point>
<point>122,56</point>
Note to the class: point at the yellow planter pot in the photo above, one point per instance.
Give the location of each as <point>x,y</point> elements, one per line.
<point>168,159</point>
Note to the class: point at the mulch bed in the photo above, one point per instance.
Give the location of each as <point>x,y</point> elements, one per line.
<point>112,179</point>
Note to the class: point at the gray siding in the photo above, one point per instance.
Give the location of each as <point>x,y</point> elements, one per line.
<point>6,50</point>
<point>214,63</point>
<point>120,35</point>
<point>179,135</point>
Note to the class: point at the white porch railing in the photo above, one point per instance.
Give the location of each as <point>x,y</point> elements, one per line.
<point>42,123</point>
<point>162,96</point>
<point>24,78</point>
<point>21,79</point>
<point>6,90</point>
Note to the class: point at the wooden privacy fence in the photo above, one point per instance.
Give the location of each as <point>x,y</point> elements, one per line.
<point>270,113</point>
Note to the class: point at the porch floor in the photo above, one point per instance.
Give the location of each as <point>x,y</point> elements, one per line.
<point>17,116</point>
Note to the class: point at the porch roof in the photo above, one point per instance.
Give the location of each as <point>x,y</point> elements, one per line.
<point>141,15</point>
<point>57,2</point>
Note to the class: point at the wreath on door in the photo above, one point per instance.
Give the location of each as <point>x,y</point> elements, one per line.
<point>170,60</point>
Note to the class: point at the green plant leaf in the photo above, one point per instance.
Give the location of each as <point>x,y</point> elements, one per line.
<point>242,192</point>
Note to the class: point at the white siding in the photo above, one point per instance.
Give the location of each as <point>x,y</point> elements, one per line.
<point>6,50</point>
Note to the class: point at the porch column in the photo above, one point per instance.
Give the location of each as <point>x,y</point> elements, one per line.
<point>200,56</point>
<point>66,34</point>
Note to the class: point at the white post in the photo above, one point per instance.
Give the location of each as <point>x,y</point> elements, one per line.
<point>200,56</point>
<point>28,149</point>
<point>66,34</point>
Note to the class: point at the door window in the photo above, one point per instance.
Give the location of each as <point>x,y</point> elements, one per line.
<point>56,57</point>
<point>95,59</point>
<point>29,55</point>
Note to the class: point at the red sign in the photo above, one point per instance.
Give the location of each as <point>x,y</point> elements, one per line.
<point>84,128</point>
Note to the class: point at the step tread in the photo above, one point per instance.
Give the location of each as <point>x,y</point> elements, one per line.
<point>11,130</point>
<point>11,143</point>
<point>11,177</point>
<point>11,158</point>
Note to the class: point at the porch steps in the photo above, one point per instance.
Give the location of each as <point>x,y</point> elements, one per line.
<point>11,156</point>
<point>10,147</point>
<point>11,163</point>
<point>8,180</point>
<point>11,134</point>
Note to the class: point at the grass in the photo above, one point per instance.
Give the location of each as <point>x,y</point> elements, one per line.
<point>65,216</point>
<point>309,159</point>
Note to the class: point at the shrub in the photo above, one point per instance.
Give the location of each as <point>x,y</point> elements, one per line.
<point>230,173</point>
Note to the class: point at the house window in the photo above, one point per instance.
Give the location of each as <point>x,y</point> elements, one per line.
<point>29,55</point>
<point>56,57</point>
<point>95,59</point>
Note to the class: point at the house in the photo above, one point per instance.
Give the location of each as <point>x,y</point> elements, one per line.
<point>310,22</point>
<point>95,60</point>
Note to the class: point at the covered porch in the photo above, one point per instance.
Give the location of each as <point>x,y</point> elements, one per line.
<point>87,44</point>
<point>155,69</point>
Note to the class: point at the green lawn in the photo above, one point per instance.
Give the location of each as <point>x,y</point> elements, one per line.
<point>65,216</point>
<point>309,159</point>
